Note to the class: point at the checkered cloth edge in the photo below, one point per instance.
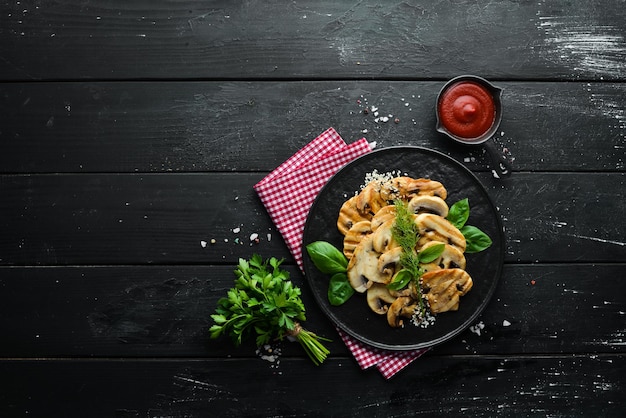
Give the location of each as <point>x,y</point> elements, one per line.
<point>288,193</point>
<point>389,363</point>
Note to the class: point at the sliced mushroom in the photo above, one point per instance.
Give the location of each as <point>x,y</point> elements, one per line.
<point>407,187</point>
<point>410,291</point>
<point>428,204</point>
<point>402,307</point>
<point>430,267</point>
<point>451,257</point>
<point>389,260</point>
<point>363,267</point>
<point>443,288</point>
<point>379,298</point>
<point>435,228</point>
<point>382,238</point>
<point>354,236</point>
<point>383,215</point>
<point>349,215</point>
<point>369,201</point>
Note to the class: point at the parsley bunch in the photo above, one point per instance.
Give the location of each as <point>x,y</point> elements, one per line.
<point>265,302</point>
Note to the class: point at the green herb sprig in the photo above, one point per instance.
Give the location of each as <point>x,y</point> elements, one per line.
<point>475,239</point>
<point>266,303</point>
<point>406,234</point>
<point>330,260</point>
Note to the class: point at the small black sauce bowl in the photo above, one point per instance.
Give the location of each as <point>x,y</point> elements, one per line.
<point>501,166</point>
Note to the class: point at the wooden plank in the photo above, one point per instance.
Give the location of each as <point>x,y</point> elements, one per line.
<point>465,385</point>
<point>163,218</point>
<point>243,126</point>
<point>328,39</point>
<point>159,311</point>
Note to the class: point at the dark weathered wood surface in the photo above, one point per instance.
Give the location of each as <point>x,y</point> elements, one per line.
<point>313,39</point>
<point>131,132</point>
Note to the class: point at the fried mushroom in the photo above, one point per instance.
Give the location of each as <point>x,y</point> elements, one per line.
<point>354,236</point>
<point>369,201</point>
<point>435,228</point>
<point>451,257</point>
<point>379,298</point>
<point>383,215</point>
<point>444,288</point>
<point>349,215</point>
<point>428,204</point>
<point>389,260</point>
<point>402,307</point>
<point>382,238</point>
<point>362,268</point>
<point>407,187</point>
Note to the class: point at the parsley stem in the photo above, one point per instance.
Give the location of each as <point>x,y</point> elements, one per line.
<point>310,341</point>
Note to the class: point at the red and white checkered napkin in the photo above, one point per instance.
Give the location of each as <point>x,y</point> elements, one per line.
<point>288,193</point>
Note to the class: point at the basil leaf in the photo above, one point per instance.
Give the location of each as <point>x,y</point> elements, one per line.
<point>431,253</point>
<point>327,259</point>
<point>339,289</point>
<point>476,240</point>
<point>400,280</point>
<point>459,213</point>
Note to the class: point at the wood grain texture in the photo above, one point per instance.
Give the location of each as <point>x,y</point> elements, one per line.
<point>163,218</point>
<point>244,126</point>
<point>559,386</point>
<point>156,311</point>
<point>131,134</point>
<point>328,39</point>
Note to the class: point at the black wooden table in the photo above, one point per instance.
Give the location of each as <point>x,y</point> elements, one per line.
<point>132,133</point>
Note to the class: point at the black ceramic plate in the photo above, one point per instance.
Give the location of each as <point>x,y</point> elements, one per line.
<point>355,317</point>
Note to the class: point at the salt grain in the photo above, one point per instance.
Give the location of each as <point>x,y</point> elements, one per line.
<point>203,243</point>
<point>270,354</point>
<point>506,323</point>
<point>254,236</point>
<point>476,329</point>
<point>236,230</point>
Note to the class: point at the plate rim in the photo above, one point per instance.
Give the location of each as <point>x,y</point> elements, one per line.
<point>491,290</point>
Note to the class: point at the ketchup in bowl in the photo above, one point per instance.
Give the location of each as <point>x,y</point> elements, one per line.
<point>468,109</point>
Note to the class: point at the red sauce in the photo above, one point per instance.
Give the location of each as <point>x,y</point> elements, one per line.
<point>467,109</point>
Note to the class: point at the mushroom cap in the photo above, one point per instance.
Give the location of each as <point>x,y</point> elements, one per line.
<point>443,288</point>
<point>451,257</point>
<point>354,236</point>
<point>428,204</point>
<point>404,306</point>
<point>349,215</point>
<point>379,298</point>
<point>435,228</point>
<point>369,201</point>
<point>389,260</point>
<point>410,291</point>
<point>407,187</point>
<point>363,267</point>
<point>383,215</point>
<point>382,238</point>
